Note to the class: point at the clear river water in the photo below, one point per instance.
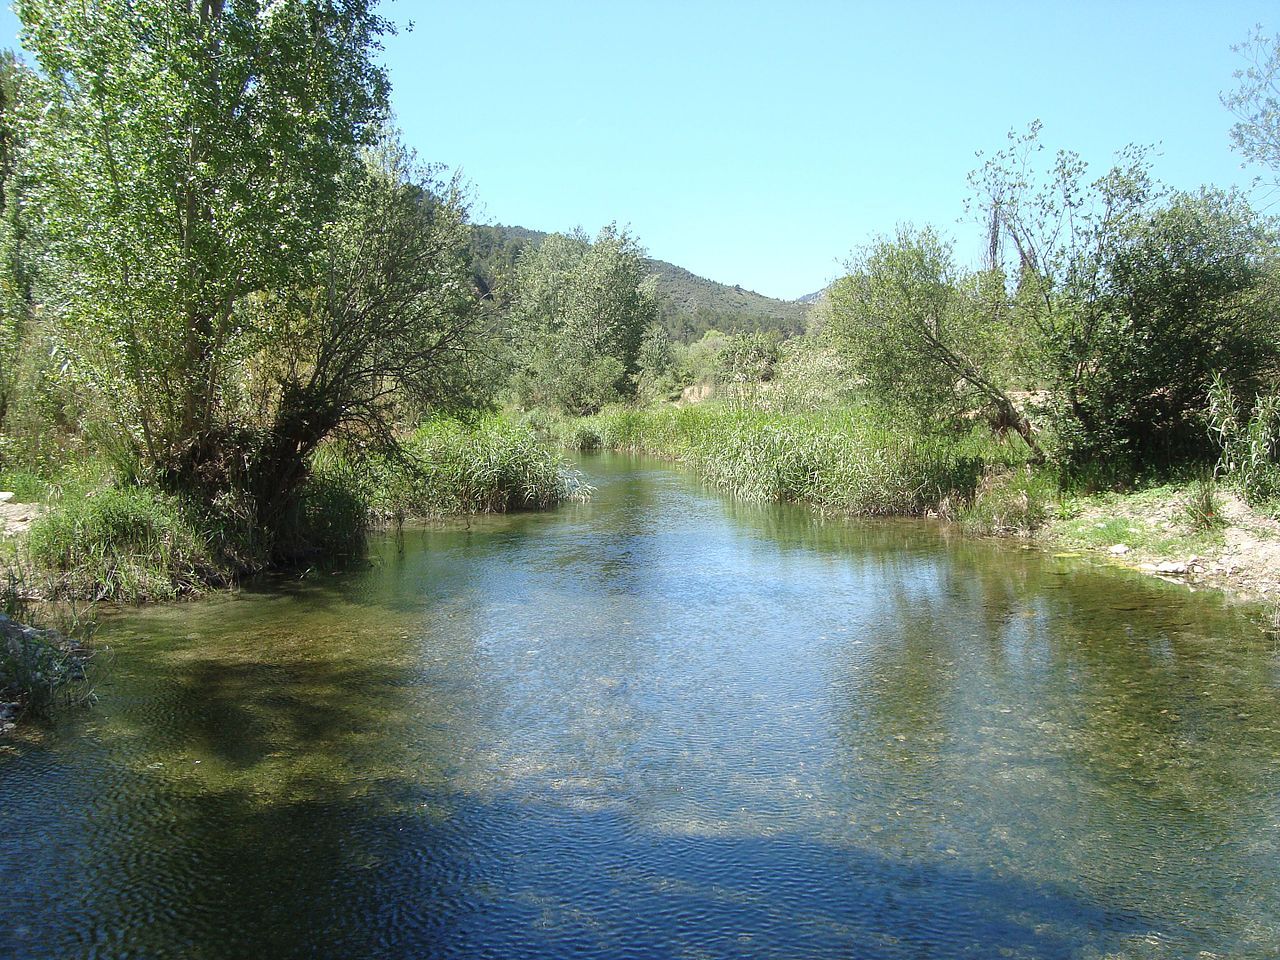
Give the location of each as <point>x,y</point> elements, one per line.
<point>661,724</point>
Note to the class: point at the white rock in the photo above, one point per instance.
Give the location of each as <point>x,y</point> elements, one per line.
<point>1171,566</point>
<point>1119,550</point>
<point>6,496</point>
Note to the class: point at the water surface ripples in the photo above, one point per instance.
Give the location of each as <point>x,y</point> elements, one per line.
<point>662,724</point>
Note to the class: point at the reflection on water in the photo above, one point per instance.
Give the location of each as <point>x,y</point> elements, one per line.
<point>662,724</point>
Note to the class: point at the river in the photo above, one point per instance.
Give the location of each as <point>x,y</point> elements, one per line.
<point>662,724</point>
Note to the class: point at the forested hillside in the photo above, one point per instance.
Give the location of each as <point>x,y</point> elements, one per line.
<point>688,305</point>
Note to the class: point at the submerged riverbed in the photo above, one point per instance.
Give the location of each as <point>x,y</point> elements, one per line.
<point>662,725</point>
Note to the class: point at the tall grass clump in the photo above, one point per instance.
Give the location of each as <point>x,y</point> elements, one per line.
<point>447,467</point>
<point>847,459</point>
<point>1249,440</point>
<point>1010,502</point>
<point>1202,509</point>
<point>492,466</point>
<point>127,543</point>
<point>328,522</point>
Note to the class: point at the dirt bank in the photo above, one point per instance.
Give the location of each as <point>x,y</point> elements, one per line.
<point>1149,532</point>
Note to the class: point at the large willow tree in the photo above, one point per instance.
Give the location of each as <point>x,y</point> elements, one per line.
<point>241,263</point>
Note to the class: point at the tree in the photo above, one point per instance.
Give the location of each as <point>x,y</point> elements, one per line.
<point>392,328</point>
<point>187,161</point>
<point>15,258</point>
<point>656,362</point>
<point>926,339</point>
<point>1134,295</point>
<point>1189,292</point>
<point>579,312</point>
<point>1256,102</point>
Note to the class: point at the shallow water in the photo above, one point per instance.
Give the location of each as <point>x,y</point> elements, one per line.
<point>662,725</point>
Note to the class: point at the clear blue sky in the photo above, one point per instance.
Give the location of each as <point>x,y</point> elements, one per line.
<point>759,144</point>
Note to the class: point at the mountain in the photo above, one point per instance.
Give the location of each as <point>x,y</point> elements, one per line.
<point>688,305</point>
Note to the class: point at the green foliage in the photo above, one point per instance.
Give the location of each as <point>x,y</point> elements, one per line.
<point>1202,508</point>
<point>812,374</point>
<point>894,314</point>
<point>184,161</point>
<point>392,334</point>
<point>699,361</point>
<point>447,467</point>
<point>1010,502</point>
<point>929,342</point>
<point>1249,441</point>
<point>689,306</point>
<point>327,523</point>
<point>242,259</point>
<point>656,377</point>
<point>748,358</point>
<point>839,460</point>
<point>25,486</point>
<point>1186,293</point>
<point>127,543</point>
<point>578,317</point>
<point>17,258</point>
<point>493,466</point>
<point>1133,297</point>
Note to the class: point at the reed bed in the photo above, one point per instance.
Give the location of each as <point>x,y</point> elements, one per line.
<point>844,459</point>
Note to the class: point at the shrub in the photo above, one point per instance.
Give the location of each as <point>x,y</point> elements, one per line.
<point>1016,502</point>
<point>1202,510</point>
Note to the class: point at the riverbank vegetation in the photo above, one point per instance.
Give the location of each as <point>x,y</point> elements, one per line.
<point>218,316</point>
<point>247,323</point>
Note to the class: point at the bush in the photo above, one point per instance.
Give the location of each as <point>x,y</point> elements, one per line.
<point>1016,502</point>
<point>1185,292</point>
<point>127,543</point>
<point>1203,507</point>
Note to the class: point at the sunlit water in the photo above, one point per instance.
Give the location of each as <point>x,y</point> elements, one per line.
<point>662,725</point>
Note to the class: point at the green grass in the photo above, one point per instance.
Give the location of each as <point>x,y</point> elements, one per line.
<point>495,465</point>
<point>128,543</point>
<point>25,486</point>
<point>845,459</point>
<point>1153,521</point>
<point>101,539</point>
<point>1007,502</point>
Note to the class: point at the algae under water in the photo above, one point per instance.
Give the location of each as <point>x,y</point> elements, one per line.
<point>662,724</point>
